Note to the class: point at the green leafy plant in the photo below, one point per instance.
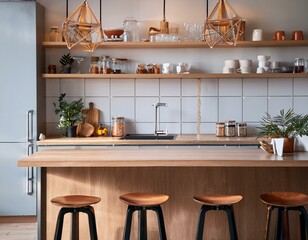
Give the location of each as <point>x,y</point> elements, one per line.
<point>284,125</point>
<point>70,113</point>
<point>66,60</point>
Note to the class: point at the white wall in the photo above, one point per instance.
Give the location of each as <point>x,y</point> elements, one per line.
<point>240,99</point>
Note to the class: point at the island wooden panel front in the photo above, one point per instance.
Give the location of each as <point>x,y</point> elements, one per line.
<point>180,183</point>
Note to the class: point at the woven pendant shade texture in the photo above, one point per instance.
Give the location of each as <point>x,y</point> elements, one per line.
<point>82,31</point>
<point>223,25</point>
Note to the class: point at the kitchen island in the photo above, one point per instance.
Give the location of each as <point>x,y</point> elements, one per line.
<point>179,173</point>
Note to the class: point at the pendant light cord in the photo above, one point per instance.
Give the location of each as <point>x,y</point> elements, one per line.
<point>66,9</point>
<point>100,10</point>
<point>207,8</point>
<point>164,11</point>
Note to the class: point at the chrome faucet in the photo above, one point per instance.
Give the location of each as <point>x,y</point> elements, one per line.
<point>157,131</point>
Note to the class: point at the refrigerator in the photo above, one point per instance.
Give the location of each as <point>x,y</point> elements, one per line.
<point>22,100</point>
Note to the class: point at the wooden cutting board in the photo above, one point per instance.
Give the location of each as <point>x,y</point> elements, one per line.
<point>92,116</point>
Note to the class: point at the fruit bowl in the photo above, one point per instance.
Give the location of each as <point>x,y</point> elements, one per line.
<point>113,33</point>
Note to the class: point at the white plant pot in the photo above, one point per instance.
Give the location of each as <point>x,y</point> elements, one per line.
<point>301,144</point>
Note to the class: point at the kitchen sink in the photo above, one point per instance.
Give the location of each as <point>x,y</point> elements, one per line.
<point>149,137</point>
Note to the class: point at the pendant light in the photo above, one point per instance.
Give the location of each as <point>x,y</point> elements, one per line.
<point>223,25</point>
<point>82,30</point>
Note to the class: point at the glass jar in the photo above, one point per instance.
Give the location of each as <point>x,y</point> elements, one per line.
<point>132,30</point>
<point>105,67</point>
<point>241,129</point>
<point>156,68</point>
<point>141,69</point>
<point>119,65</point>
<point>117,127</point>
<point>54,35</point>
<point>94,66</point>
<point>102,130</point>
<point>150,68</point>
<point>230,128</point>
<point>220,129</point>
<point>299,65</point>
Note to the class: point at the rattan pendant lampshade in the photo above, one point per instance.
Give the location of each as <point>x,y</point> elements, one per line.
<point>82,30</point>
<point>223,25</point>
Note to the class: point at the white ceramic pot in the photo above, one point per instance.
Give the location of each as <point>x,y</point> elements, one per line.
<point>301,144</point>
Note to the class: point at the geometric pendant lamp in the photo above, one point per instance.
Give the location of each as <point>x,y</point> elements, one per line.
<point>223,26</point>
<point>82,31</point>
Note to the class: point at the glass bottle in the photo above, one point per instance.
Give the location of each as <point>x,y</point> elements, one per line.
<point>132,30</point>
<point>105,65</point>
<point>94,66</point>
<point>117,127</point>
<point>299,65</point>
<point>230,128</point>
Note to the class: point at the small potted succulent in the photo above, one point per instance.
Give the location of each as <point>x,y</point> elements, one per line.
<point>287,125</point>
<point>66,61</point>
<point>70,114</point>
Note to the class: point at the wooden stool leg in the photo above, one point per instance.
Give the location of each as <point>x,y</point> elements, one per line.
<point>128,222</point>
<point>89,210</point>
<point>201,222</point>
<point>161,224</point>
<point>303,222</point>
<point>268,221</point>
<point>231,220</point>
<point>75,225</point>
<point>142,219</point>
<point>59,225</point>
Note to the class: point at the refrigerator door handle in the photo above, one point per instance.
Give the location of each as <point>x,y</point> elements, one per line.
<point>29,173</point>
<point>29,126</point>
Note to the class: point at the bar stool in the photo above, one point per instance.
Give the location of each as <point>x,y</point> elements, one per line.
<point>217,202</point>
<point>142,202</point>
<point>284,202</point>
<point>75,204</point>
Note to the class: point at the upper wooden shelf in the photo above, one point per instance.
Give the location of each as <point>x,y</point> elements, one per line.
<point>173,76</point>
<point>241,44</point>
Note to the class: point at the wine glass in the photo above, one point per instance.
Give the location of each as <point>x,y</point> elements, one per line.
<point>79,59</point>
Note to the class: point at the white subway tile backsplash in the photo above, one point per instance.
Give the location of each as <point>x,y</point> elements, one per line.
<point>301,105</point>
<point>209,87</point>
<point>52,87</point>
<point>171,128</point>
<point>170,87</point>
<point>145,128</point>
<point>230,108</point>
<point>189,87</point>
<point>72,87</point>
<point>300,86</point>
<point>280,87</point>
<point>97,87</point>
<point>254,108</point>
<point>147,87</point>
<point>171,113</point>
<point>230,87</point>
<point>50,112</point>
<point>189,109</point>
<point>123,106</point>
<point>255,87</point>
<point>145,111</point>
<point>209,111</point>
<point>275,104</point>
<point>123,87</point>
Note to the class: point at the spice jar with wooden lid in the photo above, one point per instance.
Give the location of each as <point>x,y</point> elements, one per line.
<point>230,128</point>
<point>220,129</point>
<point>118,127</point>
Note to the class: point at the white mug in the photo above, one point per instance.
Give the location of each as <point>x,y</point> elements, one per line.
<point>263,58</point>
<point>232,63</point>
<point>245,63</point>
<point>227,69</point>
<point>244,70</point>
<point>263,64</point>
<point>167,68</point>
<point>257,35</point>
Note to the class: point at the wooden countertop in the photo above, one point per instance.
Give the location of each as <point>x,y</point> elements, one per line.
<point>162,158</point>
<point>181,139</point>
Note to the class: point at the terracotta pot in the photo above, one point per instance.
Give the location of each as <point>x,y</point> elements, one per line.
<point>288,145</point>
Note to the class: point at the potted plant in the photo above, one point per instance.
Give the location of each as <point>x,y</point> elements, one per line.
<point>285,125</point>
<point>70,113</point>
<point>66,61</point>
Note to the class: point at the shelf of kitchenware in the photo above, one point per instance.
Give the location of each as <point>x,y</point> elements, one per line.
<point>173,76</point>
<point>240,44</point>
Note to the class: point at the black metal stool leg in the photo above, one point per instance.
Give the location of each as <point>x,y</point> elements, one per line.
<point>75,225</point>
<point>268,221</point>
<point>303,222</point>
<point>142,219</point>
<point>59,225</point>
<point>201,222</point>
<point>89,210</point>
<point>161,224</point>
<point>231,220</point>
<point>279,224</point>
<point>128,222</point>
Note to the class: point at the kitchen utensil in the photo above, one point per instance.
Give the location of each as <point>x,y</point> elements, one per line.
<point>92,116</point>
<point>85,129</point>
